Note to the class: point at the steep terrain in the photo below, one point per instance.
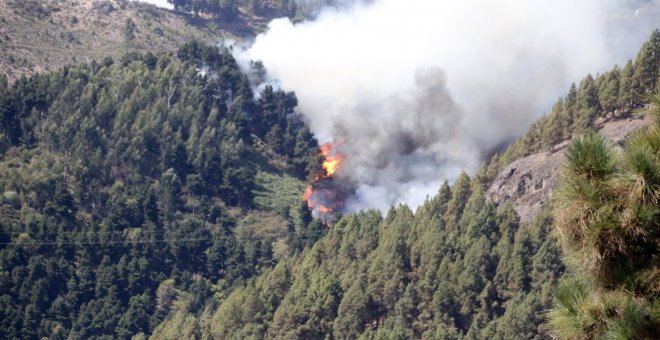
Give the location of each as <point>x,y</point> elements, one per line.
<point>527,183</point>
<point>43,35</point>
<point>127,184</point>
<point>153,194</point>
<point>460,266</point>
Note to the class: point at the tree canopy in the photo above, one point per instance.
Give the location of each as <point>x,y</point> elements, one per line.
<point>160,196</point>
<point>608,221</point>
<point>126,187</point>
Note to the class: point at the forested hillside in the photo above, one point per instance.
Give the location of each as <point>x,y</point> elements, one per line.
<point>616,92</point>
<point>158,195</point>
<point>458,267</point>
<point>296,10</point>
<point>44,35</point>
<point>135,185</point>
<point>607,103</point>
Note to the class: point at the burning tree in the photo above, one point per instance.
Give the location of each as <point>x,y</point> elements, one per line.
<point>326,195</point>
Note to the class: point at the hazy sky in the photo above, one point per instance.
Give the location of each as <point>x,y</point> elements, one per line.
<point>414,91</point>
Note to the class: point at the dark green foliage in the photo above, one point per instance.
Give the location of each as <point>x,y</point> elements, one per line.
<point>590,157</point>
<point>614,93</point>
<point>460,267</point>
<point>352,313</point>
<point>127,209</point>
<point>129,30</point>
<point>608,213</point>
<point>647,65</point>
<point>470,272</point>
<point>121,185</point>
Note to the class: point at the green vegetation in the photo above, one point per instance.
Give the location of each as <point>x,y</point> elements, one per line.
<point>158,196</point>
<point>44,35</point>
<point>608,221</point>
<point>613,93</point>
<point>457,267</point>
<point>138,187</point>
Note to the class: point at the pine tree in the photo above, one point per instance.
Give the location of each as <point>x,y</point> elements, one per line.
<point>608,89</point>
<point>647,66</point>
<point>626,94</point>
<point>353,312</point>
<point>608,222</point>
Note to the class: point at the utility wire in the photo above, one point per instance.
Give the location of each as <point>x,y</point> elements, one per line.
<point>170,240</point>
<point>74,233</point>
<point>177,240</point>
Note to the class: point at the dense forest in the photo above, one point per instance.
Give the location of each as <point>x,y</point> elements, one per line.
<point>456,268</point>
<point>160,196</point>
<point>124,182</point>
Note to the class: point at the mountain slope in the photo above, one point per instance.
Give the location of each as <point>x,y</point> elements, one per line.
<point>38,36</point>
<point>528,182</point>
<point>154,195</point>
<point>460,267</point>
<point>128,185</point>
<point>457,267</point>
<point>525,173</point>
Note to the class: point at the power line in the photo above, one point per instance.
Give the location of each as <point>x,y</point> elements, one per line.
<point>75,233</point>
<point>177,240</point>
<point>97,233</point>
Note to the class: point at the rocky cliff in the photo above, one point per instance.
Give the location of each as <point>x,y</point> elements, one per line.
<point>529,181</point>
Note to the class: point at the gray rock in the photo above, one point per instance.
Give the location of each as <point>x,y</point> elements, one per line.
<point>528,182</point>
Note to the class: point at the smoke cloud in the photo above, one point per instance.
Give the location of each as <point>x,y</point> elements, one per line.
<point>412,92</point>
<point>158,3</point>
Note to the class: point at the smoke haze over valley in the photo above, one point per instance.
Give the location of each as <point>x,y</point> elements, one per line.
<point>413,92</point>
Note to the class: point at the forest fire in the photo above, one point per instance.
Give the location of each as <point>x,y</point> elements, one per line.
<point>325,196</point>
<point>332,161</point>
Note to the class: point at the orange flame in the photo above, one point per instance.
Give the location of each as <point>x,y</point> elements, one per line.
<point>308,192</point>
<point>321,200</point>
<point>331,162</point>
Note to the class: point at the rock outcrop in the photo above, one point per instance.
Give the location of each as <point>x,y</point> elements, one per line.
<point>529,181</point>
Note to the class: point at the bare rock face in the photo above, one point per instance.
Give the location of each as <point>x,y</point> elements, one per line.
<point>529,181</point>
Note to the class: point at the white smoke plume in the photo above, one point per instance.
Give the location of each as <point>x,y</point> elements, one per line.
<point>158,3</point>
<point>414,91</point>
